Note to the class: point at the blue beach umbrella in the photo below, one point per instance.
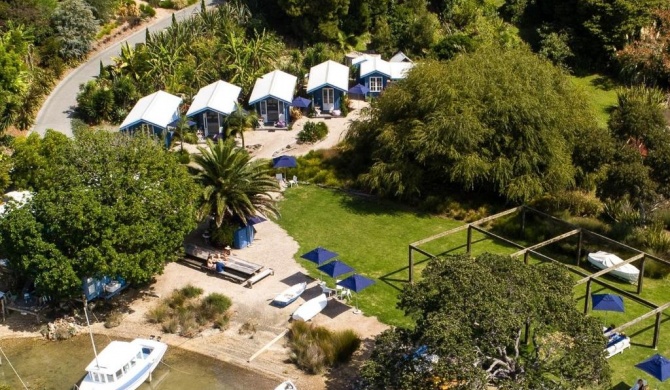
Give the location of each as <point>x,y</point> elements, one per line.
<point>301,102</point>
<point>319,255</point>
<point>359,89</point>
<point>607,302</point>
<point>356,283</point>
<point>657,366</point>
<point>335,268</point>
<point>284,162</point>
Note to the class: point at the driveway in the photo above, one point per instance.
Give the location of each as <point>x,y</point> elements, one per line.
<point>56,112</point>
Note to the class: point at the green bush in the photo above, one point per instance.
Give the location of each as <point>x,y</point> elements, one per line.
<point>147,10</point>
<point>656,270</point>
<point>221,321</point>
<point>106,29</point>
<point>344,106</point>
<point>314,348</point>
<point>191,291</point>
<point>577,203</point>
<point>214,305</point>
<point>184,156</point>
<point>176,299</point>
<point>170,326</point>
<point>223,235</point>
<point>313,132</point>
<point>318,167</point>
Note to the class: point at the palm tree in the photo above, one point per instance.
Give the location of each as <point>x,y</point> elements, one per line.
<point>181,128</point>
<point>239,121</point>
<point>232,184</point>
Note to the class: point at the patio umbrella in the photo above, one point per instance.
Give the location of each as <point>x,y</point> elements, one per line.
<point>335,268</point>
<point>657,366</point>
<point>607,302</point>
<point>356,283</point>
<point>319,255</point>
<point>359,89</point>
<point>254,219</point>
<point>301,102</point>
<point>284,162</point>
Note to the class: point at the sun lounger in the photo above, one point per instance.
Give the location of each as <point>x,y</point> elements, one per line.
<point>617,343</point>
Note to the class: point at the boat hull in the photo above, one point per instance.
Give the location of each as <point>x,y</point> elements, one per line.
<point>311,308</point>
<point>287,385</point>
<point>289,295</point>
<point>603,260</point>
<point>137,375</point>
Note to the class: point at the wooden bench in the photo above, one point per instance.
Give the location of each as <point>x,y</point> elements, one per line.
<point>224,274</point>
<point>256,278</point>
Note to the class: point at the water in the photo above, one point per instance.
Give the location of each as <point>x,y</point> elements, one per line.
<point>46,365</point>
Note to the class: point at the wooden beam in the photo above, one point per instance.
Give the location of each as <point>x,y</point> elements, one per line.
<point>423,252</point>
<point>641,277</point>
<point>657,330</point>
<point>411,265</point>
<point>579,248</point>
<point>463,227</point>
<point>546,242</point>
<point>612,268</point>
<point>586,297</point>
<point>627,294</point>
<point>488,233</point>
<point>468,246</point>
<point>657,311</point>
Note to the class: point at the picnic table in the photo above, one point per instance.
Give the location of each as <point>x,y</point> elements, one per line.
<point>237,269</point>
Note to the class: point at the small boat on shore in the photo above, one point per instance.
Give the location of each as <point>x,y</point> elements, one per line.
<point>603,260</point>
<point>289,295</point>
<point>287,385</point>
<point>123,365</point>
<point>311,308</point>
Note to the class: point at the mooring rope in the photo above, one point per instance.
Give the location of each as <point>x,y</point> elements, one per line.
<point>12,366</point>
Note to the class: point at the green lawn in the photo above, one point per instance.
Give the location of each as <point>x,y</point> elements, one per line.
<point>373,237</point>
<point>601,92</point>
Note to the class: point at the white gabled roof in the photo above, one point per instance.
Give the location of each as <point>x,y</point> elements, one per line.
<point>375,65</point>
<point>328,73</point>
<point>277,84</point>
<point>219,96</point>
<point>399,69</point>
<point>364,57</point>
<point>158,109</point>
<point>400,57</point>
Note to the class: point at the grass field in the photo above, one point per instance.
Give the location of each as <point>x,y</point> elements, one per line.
<point>601,92</point>
<point>373,236</point>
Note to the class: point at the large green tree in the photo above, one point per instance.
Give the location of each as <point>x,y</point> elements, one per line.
<point>471,316</point>
<point>501,121</point>
<point>75,26</point>
<point>104,204</point>
<point>234,187</point>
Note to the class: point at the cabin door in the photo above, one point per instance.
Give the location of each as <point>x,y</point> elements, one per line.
<point>328,99</point>
<point>212,122</point>
<point>273,110</point>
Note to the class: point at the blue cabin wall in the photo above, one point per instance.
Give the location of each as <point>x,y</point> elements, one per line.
<point>317,97</point>
<point>286,111</point>
<point>366,81</point>
<point>213,128</point>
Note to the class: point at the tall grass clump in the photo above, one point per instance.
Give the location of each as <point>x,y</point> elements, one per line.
<point>312,132</point>
<point>186,314</point>
<point>315,348</point>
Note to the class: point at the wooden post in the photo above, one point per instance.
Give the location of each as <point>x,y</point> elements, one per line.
<point>641,277</point>
<point>523,223</point>
<point>469,243</point>
<point>527,333</point>
<point>586,297</point>
<point>657,330</point>
<point>525,258</point>
<point>411,265</point>
<point>2,303</point>
<point>579,248</point>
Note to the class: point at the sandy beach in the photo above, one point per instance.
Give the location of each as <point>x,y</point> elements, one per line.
<point>273,248</point>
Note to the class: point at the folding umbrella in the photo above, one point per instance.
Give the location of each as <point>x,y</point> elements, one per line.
<point>301,102</point>
<point>284,162</point>
<point>356,283</point>
<point>319,255</point>
<point>657,366</point>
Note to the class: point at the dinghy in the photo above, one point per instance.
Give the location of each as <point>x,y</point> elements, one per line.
<point>311,308</point>
<point>602,260</point>
<point>289,295</point>
<point>288,385</point>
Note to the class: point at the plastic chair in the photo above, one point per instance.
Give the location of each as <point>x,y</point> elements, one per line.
<point>294,181</point>
<point>327,290</point>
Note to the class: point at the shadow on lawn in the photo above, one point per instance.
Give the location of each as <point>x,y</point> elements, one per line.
<point>392,279</point>
<point>362,205</point>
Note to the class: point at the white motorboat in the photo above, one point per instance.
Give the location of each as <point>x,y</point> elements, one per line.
<point>289,295</point>
<point>311,308</point>
<point>602,260</point>
<point>123,365</point>
<point>287,385</point>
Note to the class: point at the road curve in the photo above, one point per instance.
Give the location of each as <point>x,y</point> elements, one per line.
<point>56,112</point>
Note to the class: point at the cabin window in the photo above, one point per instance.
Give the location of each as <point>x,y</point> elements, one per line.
<point>126,368</point>
<point>95,377</point>
<point>139,354</point>
<point>110,378</point>
<point>376,84</point>
<point>133,362</point>
<point>119,374</point>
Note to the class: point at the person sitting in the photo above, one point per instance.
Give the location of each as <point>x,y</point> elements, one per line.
<point>639,385</point>
<point>220,265</point>
<point>210,262</point>
<point>610,328</point>
<point>226,252</point>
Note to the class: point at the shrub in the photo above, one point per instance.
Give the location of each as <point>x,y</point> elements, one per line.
<point>344,106</point>
<point>314,348</point>
<point>147,11</point>
<point>221,321</point>
<point>223,235</point>
<point>215,304</point>
<point>176,299</point>
<point>656,270</point>
<point>296,113</point>
<point>312,132</point>
<point>184,156</point>
<point>191,291</point>
<point>158,314</point>
<point>577,203</point>
<point>170,325</point>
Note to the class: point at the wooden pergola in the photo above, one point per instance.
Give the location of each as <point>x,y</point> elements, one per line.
<point>581,233</point>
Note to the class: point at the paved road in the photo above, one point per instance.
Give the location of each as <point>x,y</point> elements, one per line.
<point>56,111</point>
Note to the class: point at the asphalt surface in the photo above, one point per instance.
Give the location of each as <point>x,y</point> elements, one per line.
<point>56,112</point>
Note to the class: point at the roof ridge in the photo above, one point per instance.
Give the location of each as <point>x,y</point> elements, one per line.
<point>211,96</point>
<point>151,102</point>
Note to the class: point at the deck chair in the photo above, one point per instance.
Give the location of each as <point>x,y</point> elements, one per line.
<point>328,291</point>
<point>294,181</point>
